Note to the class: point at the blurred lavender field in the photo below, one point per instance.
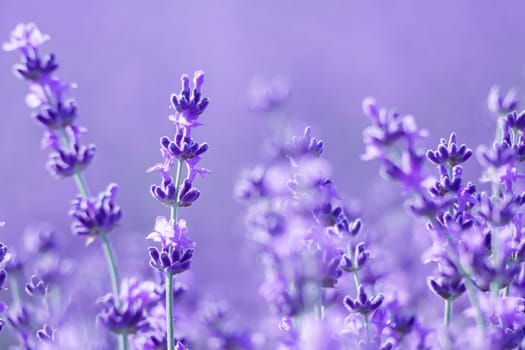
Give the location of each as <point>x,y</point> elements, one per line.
<point>435,61</point>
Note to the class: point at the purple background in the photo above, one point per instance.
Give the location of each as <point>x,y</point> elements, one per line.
<point>435,60</point>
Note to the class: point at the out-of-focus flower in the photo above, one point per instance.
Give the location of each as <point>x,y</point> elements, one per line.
<point>36,286</point>
<point>267,96</point>
<point>24,37</point>
<point>502,104</point>
<point>128,313</point>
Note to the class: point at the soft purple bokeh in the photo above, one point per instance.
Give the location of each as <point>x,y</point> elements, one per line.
<point>434,60</point>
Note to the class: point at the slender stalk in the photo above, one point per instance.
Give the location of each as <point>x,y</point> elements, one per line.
<point>106,247</point>
<point>367,328</point>
<point>357,280</point>
<point>169,277</point>
<point>169,312</point>
<point>112,266</point>
<point>15,290</point>
<point>469,285</point>
<point>448,312</point>
<point>474,302</point>
<point>83,188</point>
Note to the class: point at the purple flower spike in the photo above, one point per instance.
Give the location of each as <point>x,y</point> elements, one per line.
<point>183,147</point>
<point>129,314</point>
<point>362,304</point>
<point>59,116</point>
<point>449,153</point>
<point>36,287</point>
<point>304,146</point>
<point>448,289</point>
<point>170,234</point>
<point>172,261</point>
<point>65,163</point>
<point>177,249</point>
<point>499,155</point>
<point>36,68</point>
<point>189,104</point>
<point>46,334</point>
<point>502,104</point>
<point>387,128</point>
<point>93,215</point>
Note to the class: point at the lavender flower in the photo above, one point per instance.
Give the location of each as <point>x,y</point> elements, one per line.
<point>128,314</point>
<point>501,104</point>
<point>267,96</point>
<point>176,252</point>
<point>363,304</point>
<point>189,104</point>
<point>95,215</point>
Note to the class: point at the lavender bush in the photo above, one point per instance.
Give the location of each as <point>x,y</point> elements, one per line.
<point>436,260</point>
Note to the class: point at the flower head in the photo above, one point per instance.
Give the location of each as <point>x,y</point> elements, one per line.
<point>25,37</point>
<point>189,103</point>
<point>171,234</point>
<point>95,215</point>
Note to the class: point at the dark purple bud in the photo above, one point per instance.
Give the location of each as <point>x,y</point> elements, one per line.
<point>95,214</point>
<point>3,279</point>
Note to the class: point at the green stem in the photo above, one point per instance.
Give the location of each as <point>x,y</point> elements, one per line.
<point>367,328</point>
<point>357,280</point>
<point>106,247</point>
<point>178,179</point>
<point>83,188</point>
<point>506,291</point>
<point>469,285</point>
<point>474,302</point>
<point>81,184</point>
<point>170,332</point>
<point>448,312</point>
<point>112,266</point>
<point>169,311</point>
<point>15,290</point>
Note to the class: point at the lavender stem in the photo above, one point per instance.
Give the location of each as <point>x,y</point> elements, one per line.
<point>448,312</point>
<point>169,277</point>
<point>15,290</point>
<point>80,181</point>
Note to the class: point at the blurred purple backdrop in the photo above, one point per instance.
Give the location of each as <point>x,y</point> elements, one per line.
<point>434,60</point>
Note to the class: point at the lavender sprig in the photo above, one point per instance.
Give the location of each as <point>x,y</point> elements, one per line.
<point>447,203</point>
<point>176,251</point>
<point>68,157</point>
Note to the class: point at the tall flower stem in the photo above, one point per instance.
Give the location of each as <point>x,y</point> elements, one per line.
<point>83,188</point>
<point>169,277</point>
<point>448,312</point>
<point>15,290</point>
<point>469,285</point>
